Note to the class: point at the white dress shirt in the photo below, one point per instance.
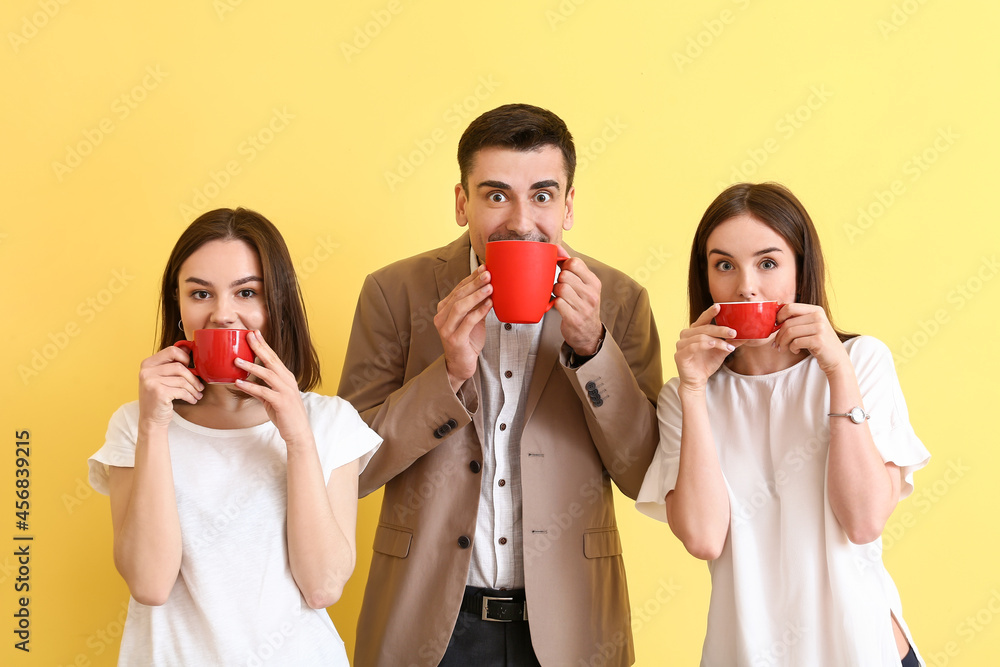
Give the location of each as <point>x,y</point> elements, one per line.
<point>505,367</point>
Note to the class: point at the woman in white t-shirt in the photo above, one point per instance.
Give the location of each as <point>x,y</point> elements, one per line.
<point>233,505</point>
<point>780,460</point>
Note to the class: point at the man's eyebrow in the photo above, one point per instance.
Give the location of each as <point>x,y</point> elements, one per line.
<point>499,185</point>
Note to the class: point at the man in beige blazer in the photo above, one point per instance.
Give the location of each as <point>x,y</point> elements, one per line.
<point>497,542</point>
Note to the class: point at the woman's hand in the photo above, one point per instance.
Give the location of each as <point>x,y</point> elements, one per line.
<point>701,350</point>
<point>805,327</point>
<point>280,393</point>
<point>163,379</point>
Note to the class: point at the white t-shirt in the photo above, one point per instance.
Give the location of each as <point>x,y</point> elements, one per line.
<point>234,602</point>
<point>789,587</point>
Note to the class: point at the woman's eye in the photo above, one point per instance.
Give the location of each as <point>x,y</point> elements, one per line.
<point>768,264</point>
<point>200,294</point>
<point>543,197</point>
<point>724,266</point>
<point>497,197</point>
<point>247,293</point>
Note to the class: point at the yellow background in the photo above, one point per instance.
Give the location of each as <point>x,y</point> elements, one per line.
<point>886,107</point>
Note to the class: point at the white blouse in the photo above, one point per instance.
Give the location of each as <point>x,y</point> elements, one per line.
<point>789,588</point>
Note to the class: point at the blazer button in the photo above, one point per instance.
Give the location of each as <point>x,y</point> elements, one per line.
<point>452,424</point>
<point>464,542</point>
<point>591,386</point>
<point>475,466</point>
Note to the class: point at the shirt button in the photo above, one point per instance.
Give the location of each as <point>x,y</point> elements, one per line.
<point>475,466</point>
<point>507,326</point>
<point>508,374</point>
<point>502,540</point>
<point>503,427</point>
<point>502,482</point>
<point>464,541</point>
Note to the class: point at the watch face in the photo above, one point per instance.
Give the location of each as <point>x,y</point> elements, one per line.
<point>858,415</point>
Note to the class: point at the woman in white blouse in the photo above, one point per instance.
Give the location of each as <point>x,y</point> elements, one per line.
<point>233,505</point>
<point>781,459</point>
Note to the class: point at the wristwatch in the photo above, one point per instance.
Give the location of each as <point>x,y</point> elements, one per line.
<point>857,415</point>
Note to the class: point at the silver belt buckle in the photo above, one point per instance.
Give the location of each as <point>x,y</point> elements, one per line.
<point>501,620</point>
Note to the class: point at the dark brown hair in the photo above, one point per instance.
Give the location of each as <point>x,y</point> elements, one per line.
<point>288,328</point>
<point>520,127</point>
<point>773,205</point>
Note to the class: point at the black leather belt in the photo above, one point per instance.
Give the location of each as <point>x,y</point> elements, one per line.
<point>490,605</point>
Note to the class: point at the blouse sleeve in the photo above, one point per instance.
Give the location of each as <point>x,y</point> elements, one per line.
<point>341,435</point>
<point>661,477</point>
<point>883,400</point>
<point>119,446</point>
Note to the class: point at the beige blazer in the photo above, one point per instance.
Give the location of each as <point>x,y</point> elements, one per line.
<point>577,437</point>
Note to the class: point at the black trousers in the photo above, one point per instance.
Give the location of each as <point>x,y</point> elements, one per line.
<point>479,643</point>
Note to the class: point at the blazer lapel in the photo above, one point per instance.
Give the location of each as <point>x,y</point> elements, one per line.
<point>455,265</point>
<point>545,361</point>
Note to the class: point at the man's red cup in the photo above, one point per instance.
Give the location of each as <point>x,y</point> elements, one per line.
<point>750,319</point>
<point>214,352</point>
<point>522,274</point>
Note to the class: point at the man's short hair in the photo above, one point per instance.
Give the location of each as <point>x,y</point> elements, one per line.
<point>520,127</point>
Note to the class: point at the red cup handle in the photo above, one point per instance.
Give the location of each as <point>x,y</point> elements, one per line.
<point>559,261</point>
<point>189,346</point>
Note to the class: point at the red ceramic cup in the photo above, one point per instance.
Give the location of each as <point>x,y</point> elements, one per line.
<point>214,352</point>
<point>522,274</point>
<point>750,319</point>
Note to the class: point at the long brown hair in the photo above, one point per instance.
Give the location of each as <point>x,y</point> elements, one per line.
<point>288,327</point>
<point>773,205</point>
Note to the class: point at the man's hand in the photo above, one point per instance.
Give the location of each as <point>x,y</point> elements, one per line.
<point>461,323</point>
<point>578,293</point>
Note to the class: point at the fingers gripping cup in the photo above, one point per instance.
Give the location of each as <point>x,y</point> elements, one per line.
<point>214,352</point>
<point>522,274</point>
<point>750,319</point>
